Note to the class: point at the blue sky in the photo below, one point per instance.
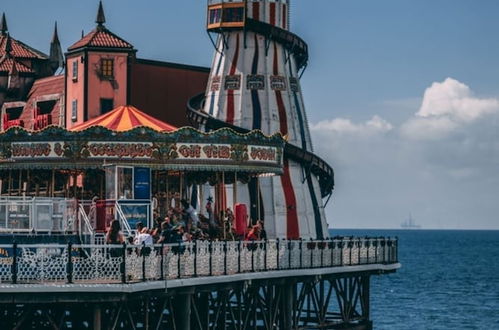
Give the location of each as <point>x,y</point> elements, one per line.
<point>401,136</point>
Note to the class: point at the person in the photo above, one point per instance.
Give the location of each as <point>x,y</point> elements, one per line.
<point>115,236</point>
<point>144,239</point>
<point>166,232</point>
<point>254,234</point>
<point>263,233</point>
<point>192,216</point>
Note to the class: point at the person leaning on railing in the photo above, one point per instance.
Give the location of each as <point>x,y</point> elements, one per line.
<point>114,236</point>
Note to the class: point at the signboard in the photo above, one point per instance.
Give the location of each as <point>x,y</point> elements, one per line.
<point>102,150</point>
<point>135,213</point>
<point>255,82</point>
<point>233,82</point>
<point>215,83</point>
<point>25,150</point>
<point>278,83</point>
<point>294,85</point>
<point>120,150</point>
<point>208,152</point>
<point>142,183</point>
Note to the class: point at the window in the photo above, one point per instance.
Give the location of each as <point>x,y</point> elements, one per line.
<point>74,110</point>
<point>107,68</point>
<point>215,16</point>
<point>106,105</point>
<point>233,14</point>
<point>75,70</point>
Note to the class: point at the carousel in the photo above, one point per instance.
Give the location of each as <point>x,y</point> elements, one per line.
<point>124,165</point>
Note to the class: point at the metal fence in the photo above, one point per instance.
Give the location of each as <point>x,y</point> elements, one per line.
<point>104,264</point>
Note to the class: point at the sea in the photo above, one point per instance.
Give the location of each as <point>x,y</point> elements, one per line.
<point>449,280</point>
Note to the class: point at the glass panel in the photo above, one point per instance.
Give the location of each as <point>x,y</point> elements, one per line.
<point>125,183</point>
<point>43,215</point>
<point>111,183</point>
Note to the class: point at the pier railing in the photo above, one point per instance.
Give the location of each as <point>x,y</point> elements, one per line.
<point>104,264</point>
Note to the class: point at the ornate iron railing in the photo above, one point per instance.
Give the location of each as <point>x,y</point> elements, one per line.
<point>96,264</point>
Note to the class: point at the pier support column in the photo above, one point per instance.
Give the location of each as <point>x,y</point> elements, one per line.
<point>97,317</point>
<point>182,309</point>
<point>287,304</point>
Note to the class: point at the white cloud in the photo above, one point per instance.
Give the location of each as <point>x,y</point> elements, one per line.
<point>345,126</point>
<point>446,107</point>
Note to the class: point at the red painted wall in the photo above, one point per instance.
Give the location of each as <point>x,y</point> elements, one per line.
<point>162,89</point>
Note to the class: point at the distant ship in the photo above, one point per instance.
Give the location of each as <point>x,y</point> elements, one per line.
<point>410,224</point>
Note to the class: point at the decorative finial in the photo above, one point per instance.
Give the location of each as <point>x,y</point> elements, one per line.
<point>3,25</point>
<point>101,18</point>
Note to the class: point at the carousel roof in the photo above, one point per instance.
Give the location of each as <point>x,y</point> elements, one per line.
<point>125,118</point>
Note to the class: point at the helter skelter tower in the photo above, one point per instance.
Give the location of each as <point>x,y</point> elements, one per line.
<point>254,84</point>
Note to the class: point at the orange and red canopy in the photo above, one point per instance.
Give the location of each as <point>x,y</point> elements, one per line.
<point>125,118</point>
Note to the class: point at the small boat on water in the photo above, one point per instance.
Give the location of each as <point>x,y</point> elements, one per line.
<point>410,224</point>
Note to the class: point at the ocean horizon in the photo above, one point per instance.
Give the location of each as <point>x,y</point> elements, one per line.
<point>449,280</point>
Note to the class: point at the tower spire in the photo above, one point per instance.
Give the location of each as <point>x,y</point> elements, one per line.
<point>8,46</point>
<point>101,17</point>
<point>56,57</point>
<point>3,25</point>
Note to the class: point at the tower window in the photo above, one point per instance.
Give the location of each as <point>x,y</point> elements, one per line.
<point>233,14</point>
<point>215,16</point>
<point>74,110</point>
<point>107,68</point>
<point>106,105</point>
<point>75,70</point>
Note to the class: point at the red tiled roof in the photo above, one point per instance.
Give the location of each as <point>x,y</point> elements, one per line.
<point>7,65</point>
<point>20,49</point>
<point>101,37</point>
<point>47,86</point>
<point>43,87</point>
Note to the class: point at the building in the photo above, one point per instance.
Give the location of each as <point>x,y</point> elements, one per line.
<point>98,73</point>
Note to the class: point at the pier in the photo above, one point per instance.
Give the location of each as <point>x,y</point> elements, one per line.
<point>274,284</point>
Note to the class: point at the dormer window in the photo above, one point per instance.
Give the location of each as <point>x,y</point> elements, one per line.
<point>107,68</point>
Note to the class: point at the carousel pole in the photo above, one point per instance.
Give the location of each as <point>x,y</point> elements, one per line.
<point>52,184</point>
<point>181,184</point>
<point>168,200</point>
<point>74,185</point>
<point>258,197</point>
<point>20,181</point>
<point>223,202</point>
<point>28,179</point>
<point>101,187</point>
<point>9,187</point>
<point>234,192</point>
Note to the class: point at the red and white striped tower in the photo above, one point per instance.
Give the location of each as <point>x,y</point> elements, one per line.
<point>254,84</point>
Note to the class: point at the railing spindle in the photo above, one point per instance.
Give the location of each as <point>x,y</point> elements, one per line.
<point>123,264</point>
<point>14,263</point>
<point>69,266</point>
